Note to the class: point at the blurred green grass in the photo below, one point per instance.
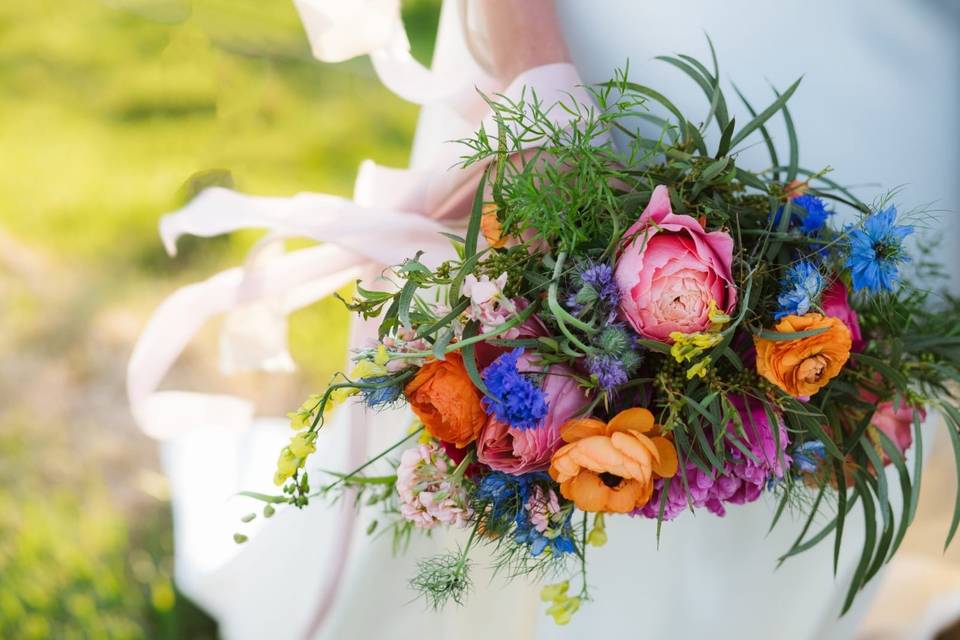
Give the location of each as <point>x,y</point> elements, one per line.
<point>111,113</point>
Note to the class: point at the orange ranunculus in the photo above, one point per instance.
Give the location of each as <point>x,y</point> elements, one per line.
<point>445,400</point>
<point>491,227</point>
<point>610,467</point>
<point>802,366</point>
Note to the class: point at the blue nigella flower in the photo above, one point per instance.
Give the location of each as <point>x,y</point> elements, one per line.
<point>381,396</point>
<point>505,493</point>
<point>876,252</point>
<point>802,286</point>
<point>608,369</point>
<point>507,496</point>
<point>808,214</point>
<point>520,403</point>
<point>808,456</point>
<point>815,213</point>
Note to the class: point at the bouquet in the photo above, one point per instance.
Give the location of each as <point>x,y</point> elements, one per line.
<point>637,325</point>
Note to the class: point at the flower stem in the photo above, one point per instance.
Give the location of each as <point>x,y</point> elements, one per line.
<point>379,456</point>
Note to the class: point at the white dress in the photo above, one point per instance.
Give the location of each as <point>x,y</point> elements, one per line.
<point>876,104</point>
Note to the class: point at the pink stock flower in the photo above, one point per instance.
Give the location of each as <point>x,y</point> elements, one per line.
<point>519,451</point>
<point>488,305</point>
<point>835,303</point>
<point>429,494</point>
<point>670,270</point>
<point>540,506</point>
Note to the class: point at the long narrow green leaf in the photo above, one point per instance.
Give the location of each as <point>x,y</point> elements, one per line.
<point>777,336</point>
<point>883,492</point>
<point>459,308</point>
<point>718,103</point>
<point>656,96</point>
<point>884,369</point>
<point>765,115</point>
<point>917,464</point>
<point>953,425</point>
<point>476,214</point>
<point>663,503</point>
<point>707,85</point>
<point>823,533</point>
<point>806,525</point>
<point>767,140</point>
<point>870,538</point>
<point>793,158</point>
<point>899,462</point>
<point>780,509</point>
<point>405,300</point>
<point>470,360</point>
<point>443,340</point>
<point>842,511</point>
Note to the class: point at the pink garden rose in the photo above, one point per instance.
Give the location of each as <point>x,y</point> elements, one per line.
<point>836,304</point>
<point>519,451</point>
<point>670,270</point>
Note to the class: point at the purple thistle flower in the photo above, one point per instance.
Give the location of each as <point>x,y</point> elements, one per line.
<point>600,277</point>
<point>608,369</point>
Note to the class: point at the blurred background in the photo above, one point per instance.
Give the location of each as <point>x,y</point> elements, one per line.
<point>113,112</point>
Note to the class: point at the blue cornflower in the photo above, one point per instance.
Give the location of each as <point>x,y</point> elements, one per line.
<point>808,214</point>
<point>520,403</point>
<point>801,287</point>
<point>608,369</point>
<point>808,456</point>
<point>815,213</point>
<point>381,396</point>
<point>876,252</point>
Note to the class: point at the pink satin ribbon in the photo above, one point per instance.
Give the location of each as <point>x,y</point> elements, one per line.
<point>388,220</point>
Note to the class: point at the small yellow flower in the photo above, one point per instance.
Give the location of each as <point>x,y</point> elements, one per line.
<point>699,369</point>
<point>302,445</point>
<point>554,592</point>
<point>598,535</point>
<point>287,465</point>
<point>367,369</point>
<point>687,346</point>
<point>717,318</point>
<point>299,420</point>
<point>382,357</point>
<point>597,538</point>
<point>563,611</point>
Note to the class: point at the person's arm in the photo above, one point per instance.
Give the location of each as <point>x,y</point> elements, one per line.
<point>522,34</point>
<point>519,35</point>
